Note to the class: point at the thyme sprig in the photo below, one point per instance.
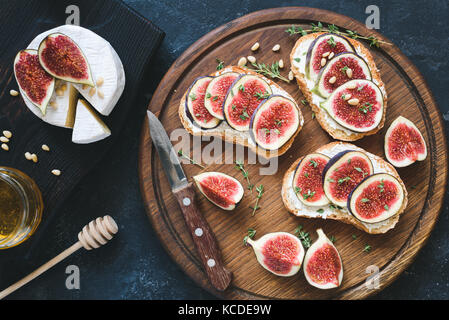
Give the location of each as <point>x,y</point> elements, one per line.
<point>220,64</point>
<point>259,190</point>
<point>250,235</point>
<point>269,70</point>
<point>303,236</point>
<point>331,28</point>
<point>181,154</point>
<point>240,166</point>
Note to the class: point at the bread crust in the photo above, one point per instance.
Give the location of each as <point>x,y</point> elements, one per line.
<point>336,133</point>
<point>343,215</point>
<point>230,135</point>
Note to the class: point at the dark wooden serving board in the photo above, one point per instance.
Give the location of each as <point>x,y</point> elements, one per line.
<point>408,95</point>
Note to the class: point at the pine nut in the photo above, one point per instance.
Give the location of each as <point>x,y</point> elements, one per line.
<point>290,75</point>
<point>4,139</point>
<point>28,156</point>
<point>323,62</point>
<point>353,101</point>
<point>242,62</point>
<point>100,94</point>
<point>331,55</point>
<point>326,54</point>
<point>276,47</point>
<point>252,59</point>
<point>7,134</point>
<point>45,147</point>
<point>92,91</point>
<point>255,46</point>
<point>56,172</point>
<point>34,158</point>
<point>100,81</point>
<point>281,63</point>
<point>14,93</point>
<point>332,80</point>
<point>349,73</point>
<point>347,96</point>
<point>5,147</point>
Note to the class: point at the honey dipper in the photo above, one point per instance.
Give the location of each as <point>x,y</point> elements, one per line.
<point>97,233</point>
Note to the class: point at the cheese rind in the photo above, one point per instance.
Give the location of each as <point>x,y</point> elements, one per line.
<point>88,126</point>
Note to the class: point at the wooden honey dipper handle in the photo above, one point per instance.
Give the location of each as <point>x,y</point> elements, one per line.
<point>97,233</point>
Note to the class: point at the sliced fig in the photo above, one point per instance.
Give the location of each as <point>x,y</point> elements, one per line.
<point>343,173</point>
<point>404,143</point>
<point>342,68</point>
<point>216,93</point>
<point>280,253</point>
<point>308,180</point>
<point>243,98</point>
<point>357,105</point>
<point>220,189</point>
<point>326,46</point>
<point>34,83</point>
<point>274,122</point>
<point>323,267</point>
<point>195,109</point>
<point>61,57</point>
<point>376,198</point>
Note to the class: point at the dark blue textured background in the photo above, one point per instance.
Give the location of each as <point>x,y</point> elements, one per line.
<point>134,265</point>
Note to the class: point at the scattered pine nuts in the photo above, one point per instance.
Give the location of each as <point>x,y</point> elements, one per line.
<point>255,46</point>
<point>4,139</point>
<point>242,62</point>
<point>100,81</point>
<point>56,172</point>
<point>34,157</point>
<point>7,134</point>
<point>5,147</point>
<point>353,101</point>
<point>323,62</point>
<point>332,80</point>
<point>326,54</point>
<point>14,93</point>
<point>276,47</point>
<point>28,156</point>
<point>290,75</point>
<point>347,96</point>
<point>349,72</point>
<point>92,91</point>
<point>100,94</point>
<point>281,63</point>
<point>252,59</point>
<point>331,55</point>
<point>45,147</point>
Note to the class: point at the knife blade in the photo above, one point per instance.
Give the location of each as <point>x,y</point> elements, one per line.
<point>202,235</point>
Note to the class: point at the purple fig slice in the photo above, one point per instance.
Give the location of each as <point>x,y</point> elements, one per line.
<point>34,83</point>
<point>404,143</point>
<point>222,190</point>
<point>61,57</point>
<point>326,46</point>
<point>216,93</point>
<point>342,68</point>
<point>195,109</point>
<point>376,198</point>
<point>308,180</point>
<point>281,253</point>
<point>323,267</point>
<point>343,173</point>
<point>243,98</point>
<point>275,122</point>
<point>357,105</point>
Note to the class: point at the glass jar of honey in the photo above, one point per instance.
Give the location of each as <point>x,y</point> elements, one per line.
<point>21,207</point>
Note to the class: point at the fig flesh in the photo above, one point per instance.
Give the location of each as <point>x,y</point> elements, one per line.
<point>222,190</point>
<point>342,68</point>
<point>326,46</point>
<point>357,105</point>
<point>404,143</point>
<point>216,93</point>
<point>243,98</point>
<point>323,267</point>
<point>308,180</point>
<point>61,57</point>
<point>281,253</point>
<point>195,109</point>
<point>343,173</point>
<point>376,198</point>
<point>274,122</point>
<point>34,82</point>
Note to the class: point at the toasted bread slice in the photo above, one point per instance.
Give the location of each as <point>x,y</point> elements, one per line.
<point>228,134</point>
<point>305,85</point>
<point>295,206</point>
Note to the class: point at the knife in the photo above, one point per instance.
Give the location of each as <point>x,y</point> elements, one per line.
<point>202,235</point>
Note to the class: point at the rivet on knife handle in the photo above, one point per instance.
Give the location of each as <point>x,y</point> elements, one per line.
<point>204,239</point>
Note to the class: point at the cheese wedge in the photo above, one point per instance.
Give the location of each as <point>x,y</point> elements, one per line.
<point>88,126</point>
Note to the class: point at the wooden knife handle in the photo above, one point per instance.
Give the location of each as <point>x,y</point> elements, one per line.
<point>204,239</point>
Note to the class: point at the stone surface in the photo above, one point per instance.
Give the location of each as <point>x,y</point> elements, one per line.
<point>135,265</point>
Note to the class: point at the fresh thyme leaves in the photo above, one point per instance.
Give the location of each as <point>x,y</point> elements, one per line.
<point>366,107</point>
<point>373,41</point>
<point>250,235</point>
<point>332,239</point>
<point>354,237</point>
<point>208,95</point>
<point>330,180</point>
<point>308,194</point>
<point>278,122</point>
<point>343,70</point>
<point>303,236</point>
<point>240,166</point>
<point>304,102</point>
<point>386,207</point>
<point>332,42</point>
<point>261,95</point>
<point>297,190</point>
<point>333,207</point>
<point>365,200</point>
<point>259,190</point>
<point>367,248</point>
<point>181,154</point>
<point>313,115</point>
<point>340,181</point>
<point>381,185</point>
<point>242,88</point>
<point>220,64</point>
<point>297,60</point>
<point>244,115</point>
<point>321,210</point>
<point>215,98</point>
<point>313,163</point>
<point>193,97</point>
<point>269,70</point>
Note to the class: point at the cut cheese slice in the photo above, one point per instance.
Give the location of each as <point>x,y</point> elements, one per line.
<point>88,126</point>
<point>104,63</point>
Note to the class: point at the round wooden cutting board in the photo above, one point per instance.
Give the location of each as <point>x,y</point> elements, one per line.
<point>391,253</point>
